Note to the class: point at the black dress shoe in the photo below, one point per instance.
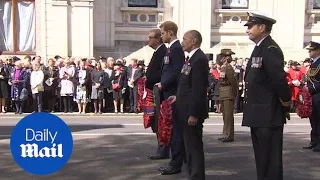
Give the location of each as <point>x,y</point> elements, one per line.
<point>227,140</point>
<point>157,157</point>
<point>171,170</point>
<point>316,149</point>
<point>162,168</point>
<point>309,146</point>
<point>221,138</point>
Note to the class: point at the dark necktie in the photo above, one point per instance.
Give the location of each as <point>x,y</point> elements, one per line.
<point>187,60</point>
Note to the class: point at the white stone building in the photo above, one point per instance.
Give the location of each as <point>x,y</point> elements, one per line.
<point>119,28</point>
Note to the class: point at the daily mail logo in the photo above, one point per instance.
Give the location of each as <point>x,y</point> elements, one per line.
<point>41,143</point>
<point>32,150</point>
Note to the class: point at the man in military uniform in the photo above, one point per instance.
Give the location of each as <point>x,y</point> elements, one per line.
<point>153,76</point>
<point>227,94</point>
<point>170,71</point>
<point>313,83</point>
<point>191,102</point>
<point>267,98</point>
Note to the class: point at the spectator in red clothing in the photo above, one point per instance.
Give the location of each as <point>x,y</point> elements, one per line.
<point>294,77</point>
<point>214,71</point>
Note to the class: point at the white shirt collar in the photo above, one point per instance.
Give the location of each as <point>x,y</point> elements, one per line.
<point>258,44</point>
<point>173,42</point>
<point>192,52</point>
<point>158,47</point>
<point>315,59</point>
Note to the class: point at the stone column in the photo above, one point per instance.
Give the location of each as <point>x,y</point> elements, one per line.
<point>40,8</point>
<point>56,28</point>
<point>289,29</point>
<point>81,29</point>
<point>288,32</point>
<point>110,23</point>
<point>190,14</point>
<point>104,23</point>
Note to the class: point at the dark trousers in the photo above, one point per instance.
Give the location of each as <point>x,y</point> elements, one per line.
<point>28,106</point>
<point>177,145</point>
<point>51,103</point>
<point>67,103</point>
<point>315,123</point>
<point>192,137</point>
<point>19,106</point>
<point>267,146</point>
<point>108,98</point>
<point>49,100</point>
<point>37,102</point>
<point>163,150</point>
<point>235,104</point>
<point>133,92</point>
<point>240,104</point>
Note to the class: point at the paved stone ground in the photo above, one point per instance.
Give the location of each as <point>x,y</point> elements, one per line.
<point>115,148</point>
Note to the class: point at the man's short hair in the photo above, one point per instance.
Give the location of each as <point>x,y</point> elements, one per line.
<point>134,59</point>
<point>170,26</point>
<point>197,36</point>
<point>157,33</point>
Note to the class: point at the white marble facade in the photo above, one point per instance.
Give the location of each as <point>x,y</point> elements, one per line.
<point>89,28</point>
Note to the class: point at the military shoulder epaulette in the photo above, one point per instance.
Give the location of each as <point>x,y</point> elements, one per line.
<point>272,46</point>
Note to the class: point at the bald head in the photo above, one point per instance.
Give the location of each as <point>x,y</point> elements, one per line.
<point>191,40</point>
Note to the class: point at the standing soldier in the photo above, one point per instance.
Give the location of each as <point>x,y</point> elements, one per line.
<point>313,83</point>
<point>170,71</point>
<point>268,98</point>
<point>192,102</point>
<point>153,76</point>
<point>227,94</point>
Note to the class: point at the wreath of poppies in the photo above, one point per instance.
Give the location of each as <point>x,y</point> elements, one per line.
<point>141,85</point>
<point>148,109</point>
<point>304,103</point>
<point>165,123</point>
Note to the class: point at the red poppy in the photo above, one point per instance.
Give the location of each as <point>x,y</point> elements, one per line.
<point>304,103</point>
<point>165,123</point>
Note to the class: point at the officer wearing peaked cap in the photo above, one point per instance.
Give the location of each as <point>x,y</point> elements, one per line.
<point>313,83</point>
<point>267,98</point>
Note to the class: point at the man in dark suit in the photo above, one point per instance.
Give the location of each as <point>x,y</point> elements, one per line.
<point>192,104</point>
<point>313,83</point>
<point>153,76</point>
<point>267,98</point>
<point>134,73</point>
<point>170,71</point>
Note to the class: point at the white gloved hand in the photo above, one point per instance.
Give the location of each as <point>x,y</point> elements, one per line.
<point>294,82</point>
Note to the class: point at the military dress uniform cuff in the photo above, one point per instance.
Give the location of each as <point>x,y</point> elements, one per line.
<point>285,104</point>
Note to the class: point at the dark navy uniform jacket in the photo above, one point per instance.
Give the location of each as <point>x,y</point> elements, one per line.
<point>266,85</point>
<point>171,68</point>
<point>192,88</point>
<point>153,72</point>
<point>314,86</point>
